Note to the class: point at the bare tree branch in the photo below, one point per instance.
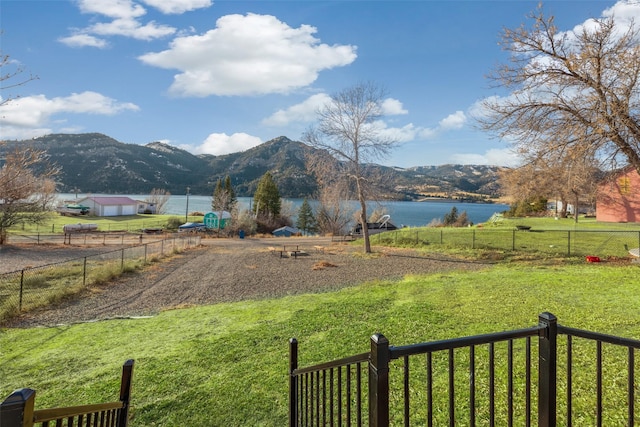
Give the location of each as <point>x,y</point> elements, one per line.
<point>569,90</point>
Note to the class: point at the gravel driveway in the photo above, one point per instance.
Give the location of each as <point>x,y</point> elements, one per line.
<point>224,270</point>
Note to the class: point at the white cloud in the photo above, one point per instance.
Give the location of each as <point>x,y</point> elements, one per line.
<point>221,143</point>
<point>412,132</point>
<point>305,111</point>
<point>127,27</point>
<point>400,134</point>
<point>302,112</point>
<point>248,55</point>
<point>178,6</point>
<point>117,9</point>
<point>494,157</point>
<point>81,40</point>
<point>393,107</point>
<point>125,21</point>
<point>31,115</point>
<point>453,121</point>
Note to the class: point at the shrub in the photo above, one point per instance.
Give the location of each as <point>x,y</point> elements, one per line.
<point>173,223</point>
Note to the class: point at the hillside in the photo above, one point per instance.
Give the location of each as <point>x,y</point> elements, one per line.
<point>96,163</point>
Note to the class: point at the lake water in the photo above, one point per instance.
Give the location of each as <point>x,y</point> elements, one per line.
<point>411,214</point>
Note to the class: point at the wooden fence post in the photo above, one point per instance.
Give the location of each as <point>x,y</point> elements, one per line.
<point>293,383</point>
<point>17,409</point>
<point>125,393</point>
<point>547,372</point>
<point>379,382</point>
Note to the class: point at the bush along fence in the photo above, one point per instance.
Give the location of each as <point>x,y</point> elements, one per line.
<point>550,242</point>
<point>34,287</point>
<point>579,378</point>
<point>17,410</point>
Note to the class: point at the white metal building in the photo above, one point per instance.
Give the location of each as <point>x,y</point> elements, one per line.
<point>110,206</point>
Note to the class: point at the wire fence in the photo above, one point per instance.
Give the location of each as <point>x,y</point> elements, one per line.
<point>545,242</point>
<point>40,286</point>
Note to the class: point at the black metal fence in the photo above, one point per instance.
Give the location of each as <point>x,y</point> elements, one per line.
<point>492,379</point>
<point>17,410</point>
<point>33,287</point>
<point>552,242</point>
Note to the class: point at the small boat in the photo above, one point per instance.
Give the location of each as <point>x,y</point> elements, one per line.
<point>72,209</point>
<point>383,224</point>
<point>192,227</point>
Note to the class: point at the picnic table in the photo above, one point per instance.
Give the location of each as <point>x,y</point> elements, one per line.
<point>287,250</point>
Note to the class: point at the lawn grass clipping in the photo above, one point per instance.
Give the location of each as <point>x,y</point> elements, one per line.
<point>226,364</point>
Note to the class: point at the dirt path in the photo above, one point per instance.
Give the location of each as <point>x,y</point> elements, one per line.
<point>234,270</point>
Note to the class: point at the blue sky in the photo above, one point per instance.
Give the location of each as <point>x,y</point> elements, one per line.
<point>222,76</point>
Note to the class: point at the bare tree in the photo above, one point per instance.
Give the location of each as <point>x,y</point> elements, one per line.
<point>159,197</point>
<point>570,89</point>
<point>27,188</point>
<point>568,179</point>
<point>25,195</point>
<point>347,130</point>
<point>11,76</point>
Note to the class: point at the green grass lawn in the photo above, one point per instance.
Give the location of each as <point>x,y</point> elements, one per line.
<point>55,222</point>
<point>226,364</point>
<point>546,238</point>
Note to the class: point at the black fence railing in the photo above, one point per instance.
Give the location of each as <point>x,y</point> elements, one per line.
<point>601,243</point>
<point>490,379</point>
<point>34,287</point>
<point>17,410</point>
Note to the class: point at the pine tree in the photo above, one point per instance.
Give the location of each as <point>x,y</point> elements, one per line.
<point>267,197</point>
<point>224,198</point>
<point>233,200</point>
<point>451,217</point>
<point>306,220</point>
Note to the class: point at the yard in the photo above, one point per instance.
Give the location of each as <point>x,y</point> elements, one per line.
<point>225,363</point>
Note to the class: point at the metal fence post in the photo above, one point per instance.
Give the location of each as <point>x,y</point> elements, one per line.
<point>547,370</point>
<point>293,383</point>
<point>513,240</point>
<point>21,290</point>
<point>17,409</point>
<point>122,260</point>
<point>125,393</point>
<point>379,382</point>
<point>569,243</point>
<point>84,273</point>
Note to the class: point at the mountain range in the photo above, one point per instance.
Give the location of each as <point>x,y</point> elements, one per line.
<point>96,163</point>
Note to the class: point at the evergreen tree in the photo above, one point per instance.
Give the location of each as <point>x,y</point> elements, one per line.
<point>266,200</point>
<point>224,198</point>
<point>306,220</point>
<point>233,200</point>
<point>451,217</point>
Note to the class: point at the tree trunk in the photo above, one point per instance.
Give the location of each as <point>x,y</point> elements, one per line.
<point>363,218</point>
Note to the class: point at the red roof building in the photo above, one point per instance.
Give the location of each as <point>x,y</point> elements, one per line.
<point>618,198</point>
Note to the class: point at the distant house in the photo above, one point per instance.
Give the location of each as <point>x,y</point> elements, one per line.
<point>145,207</point>
<point>110,205</point>
<point>286,231</point>
<point>618,198</point>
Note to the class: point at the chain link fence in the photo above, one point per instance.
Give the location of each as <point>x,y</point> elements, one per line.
<point>543,242</point>
<point>35,287</point>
